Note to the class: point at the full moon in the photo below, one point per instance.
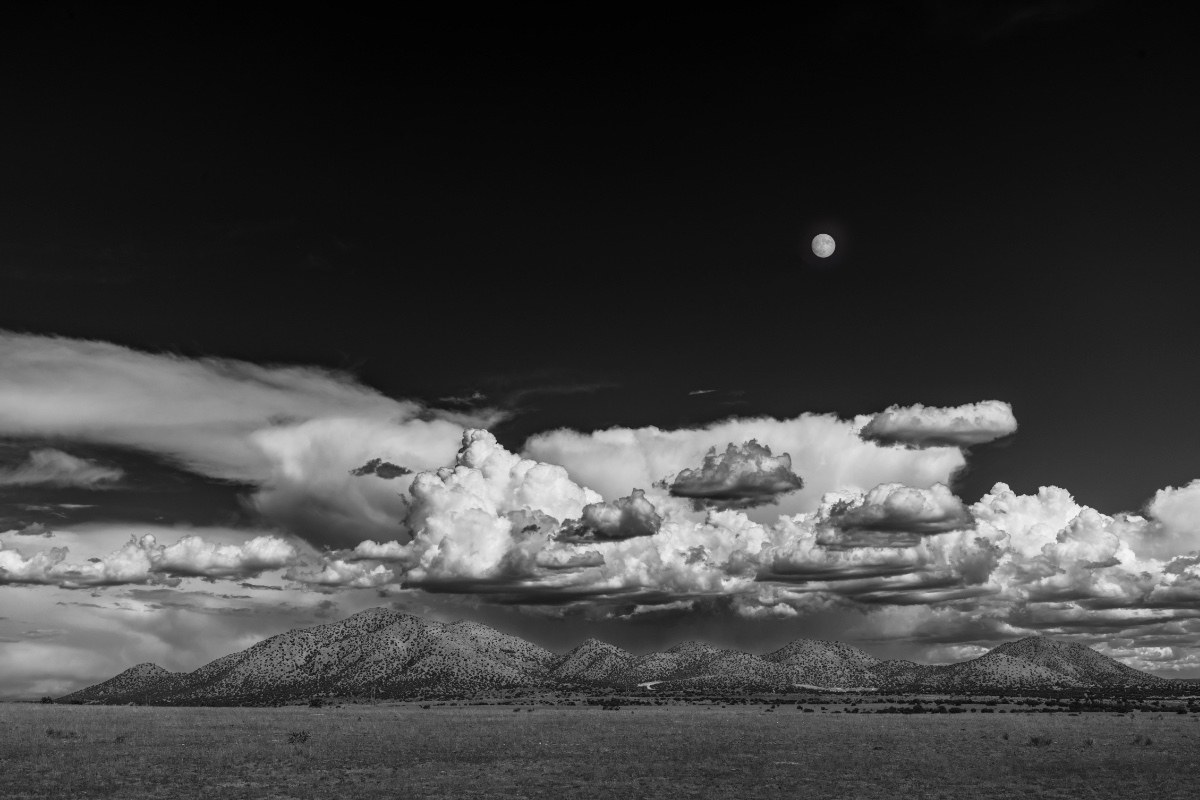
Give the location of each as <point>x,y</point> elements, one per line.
<point>823,245</point>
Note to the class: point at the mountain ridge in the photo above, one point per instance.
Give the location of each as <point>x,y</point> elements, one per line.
<point>385,653</point>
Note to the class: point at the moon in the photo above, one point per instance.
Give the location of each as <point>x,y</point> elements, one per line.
<point>823,245</point>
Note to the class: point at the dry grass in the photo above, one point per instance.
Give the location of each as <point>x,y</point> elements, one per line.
<point>648,752</point>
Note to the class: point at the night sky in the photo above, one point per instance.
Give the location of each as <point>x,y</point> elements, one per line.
<point>246,226</point>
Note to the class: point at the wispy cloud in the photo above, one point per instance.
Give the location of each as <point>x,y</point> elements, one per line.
<point>292,433</point>
<point>50,467</point>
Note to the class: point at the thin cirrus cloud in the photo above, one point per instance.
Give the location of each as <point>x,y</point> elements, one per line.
<point>294,434</point>
<point>47,466</point>
<point>930,426</point>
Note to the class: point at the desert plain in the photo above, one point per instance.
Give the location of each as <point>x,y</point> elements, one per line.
<point>827,747</point>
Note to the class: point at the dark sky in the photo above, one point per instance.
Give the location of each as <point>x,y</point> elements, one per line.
<point>504,204</point>
<point>581,219</point>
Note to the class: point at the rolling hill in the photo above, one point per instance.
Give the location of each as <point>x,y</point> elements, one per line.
<point>384,653</point>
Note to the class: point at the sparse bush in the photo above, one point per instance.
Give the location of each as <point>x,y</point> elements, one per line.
<point>1040,741</point>
<point>47,699</point>
<point>316,702</point>
<point>58,733</point>
<point>298,737</point>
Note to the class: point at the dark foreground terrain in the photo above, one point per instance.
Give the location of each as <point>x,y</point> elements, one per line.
<point>532,750</point>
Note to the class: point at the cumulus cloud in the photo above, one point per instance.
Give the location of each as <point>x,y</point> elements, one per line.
<point>143,560</point>
<point>623,518</point>
<point>293,433</point>
<point>192,556</point>
<point>899,514</point>
<point>874,527</point>
<point>381,469</point>
<point>49,467</point>
<point>825,450</point>
<point>1177,514</point>
<point>515,531</point>
<point>743,476</point>
<point>459,515</point>
<point>342,574</point>
<point>930,426</point>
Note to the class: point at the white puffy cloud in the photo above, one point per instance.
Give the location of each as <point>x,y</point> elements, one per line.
<point>17,568</point>
<point>1178,513</point>
<point>459,516</point>
<point>623,518</point>
<point>825,451</point>
<point>141,559</point>
<point>196,557</point>
<point>295,433</point>
<point>49,467</point>
<point>377,551</point>
<point>899,514</point>
<point>342,574</point>
<point>523,532</point>
<point>930,426</point>
<point>509,530</point>
<point>743,476</point>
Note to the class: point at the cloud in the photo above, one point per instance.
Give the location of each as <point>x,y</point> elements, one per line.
<point>825,450</point>
<point>342,574</point>
<point>193,556</point>
<point>623,518</point>
<point>929,426</point>
<point>898,514</point>
<point>143,560</point>
<point>1177,512</point>
<point>292,433</point>
<point>309,489</point>
<point>381,469</point>
<point>742,477</point>
<point>50,467</point>
<point>459,515</point>
<point>512,531</point>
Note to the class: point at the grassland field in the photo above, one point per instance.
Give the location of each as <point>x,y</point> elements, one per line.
<point>677,750</point>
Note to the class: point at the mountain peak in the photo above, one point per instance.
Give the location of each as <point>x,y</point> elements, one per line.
<point>692,647</point>
<point>147,668</point>
<point>381,652</point>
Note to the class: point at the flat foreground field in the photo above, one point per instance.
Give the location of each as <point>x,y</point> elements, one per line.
<point>405,751</point>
